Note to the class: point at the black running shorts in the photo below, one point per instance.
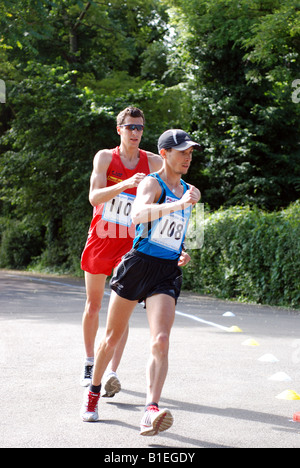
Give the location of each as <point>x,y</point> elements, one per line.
<point>139,276</point>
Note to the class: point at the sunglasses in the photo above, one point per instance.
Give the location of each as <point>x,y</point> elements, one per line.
<point>132,127</point>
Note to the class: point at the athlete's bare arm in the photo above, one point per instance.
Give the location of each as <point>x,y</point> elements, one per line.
<point>155,161</point>
<point>145,207</point>
<point>99,192</point>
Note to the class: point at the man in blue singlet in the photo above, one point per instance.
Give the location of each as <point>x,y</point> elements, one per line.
<point>150,273</point>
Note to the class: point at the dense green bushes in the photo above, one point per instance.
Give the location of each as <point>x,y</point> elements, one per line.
<point>222,70</point>
<point>20,243</point>
<point>250,255</point>
<point>247,254</point>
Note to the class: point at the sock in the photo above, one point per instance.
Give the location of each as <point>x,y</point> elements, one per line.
<point>95,388</point>
<point>89,361</point>
<point>151,404</point>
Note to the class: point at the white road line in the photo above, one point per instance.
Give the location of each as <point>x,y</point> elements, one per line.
<point>198,319</point>
<point>182,314</point>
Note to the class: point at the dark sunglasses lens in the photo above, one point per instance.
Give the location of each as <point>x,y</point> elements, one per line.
<point>139,128</point>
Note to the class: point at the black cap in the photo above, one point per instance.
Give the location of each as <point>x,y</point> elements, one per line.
<point>177,139</point>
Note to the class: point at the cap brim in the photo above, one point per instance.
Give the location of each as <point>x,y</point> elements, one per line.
<point>187,144</point>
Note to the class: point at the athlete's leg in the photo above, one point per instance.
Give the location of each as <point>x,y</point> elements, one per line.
<point>95,285</point>
<point>119,312</point>
<point>115,362</point>
<point>119,351</point>
<point>161,314</point>
<point>111,382</point>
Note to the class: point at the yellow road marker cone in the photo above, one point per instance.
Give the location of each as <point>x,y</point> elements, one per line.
<point>235,329</point>
<point>288,395</point>
<point>250,342</point>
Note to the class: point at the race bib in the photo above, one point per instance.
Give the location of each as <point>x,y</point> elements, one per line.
<point>118,209</point>
<point>169,231</point>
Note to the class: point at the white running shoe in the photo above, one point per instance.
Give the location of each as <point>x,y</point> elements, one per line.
<point>86,376</point>
<point>155,421</point>
<point>111,385</point>
<point>89,409</point>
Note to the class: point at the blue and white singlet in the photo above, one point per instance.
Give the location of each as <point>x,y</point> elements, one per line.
<point>163,238</point>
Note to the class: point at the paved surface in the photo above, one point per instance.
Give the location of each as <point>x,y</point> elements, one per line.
<point>217,388</point>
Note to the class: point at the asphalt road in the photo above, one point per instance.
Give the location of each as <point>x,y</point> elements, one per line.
<point>221,393</point>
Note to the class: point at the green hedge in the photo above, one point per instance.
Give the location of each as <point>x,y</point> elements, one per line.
<point>250,255</point>
<point>247,254</point>
<point>20,243</point>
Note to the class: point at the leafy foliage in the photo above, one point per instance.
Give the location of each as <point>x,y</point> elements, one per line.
<point>245,56</point>
<point>221,69</point>
<point>249,255</point>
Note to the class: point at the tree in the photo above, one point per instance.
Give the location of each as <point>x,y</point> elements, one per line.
<point>243,60</point>
<point>221,69</point>
<point>55,55</point>
<point>52,141</point>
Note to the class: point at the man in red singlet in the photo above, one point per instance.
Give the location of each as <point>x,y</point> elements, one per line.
<point>115,177</point>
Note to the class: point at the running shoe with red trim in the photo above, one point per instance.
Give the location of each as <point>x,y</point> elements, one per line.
<point>155,421</point>
<point>89,410</point>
